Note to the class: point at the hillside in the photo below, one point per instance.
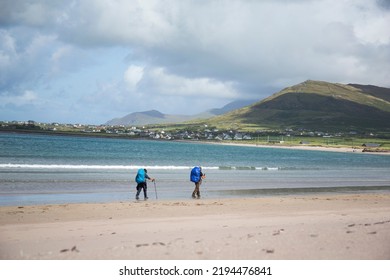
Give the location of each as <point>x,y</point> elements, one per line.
<point>317,105</point>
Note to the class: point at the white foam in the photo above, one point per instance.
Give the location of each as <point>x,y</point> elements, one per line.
<point>71,166</point>
<point>122,167</point>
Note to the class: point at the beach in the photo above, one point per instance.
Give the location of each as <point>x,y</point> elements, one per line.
<point>299,227</point>
<point>309,148</point>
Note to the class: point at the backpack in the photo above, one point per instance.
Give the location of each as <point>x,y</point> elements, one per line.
<point>140,178</point>
<point>195,174</point>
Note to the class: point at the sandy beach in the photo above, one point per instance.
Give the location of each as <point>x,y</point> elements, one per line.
<point>309,148</point>
<point>355,226</point>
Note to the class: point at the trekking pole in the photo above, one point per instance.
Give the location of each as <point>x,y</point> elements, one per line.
<point>155,189</point>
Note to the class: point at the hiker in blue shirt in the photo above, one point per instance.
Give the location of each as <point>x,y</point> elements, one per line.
<point>196,176</point>
<point>142,176</point>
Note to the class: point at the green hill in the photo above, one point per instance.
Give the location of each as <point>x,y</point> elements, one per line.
<point>316,105</point>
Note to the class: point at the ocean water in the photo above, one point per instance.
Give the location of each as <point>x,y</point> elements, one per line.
<point>43,169</point>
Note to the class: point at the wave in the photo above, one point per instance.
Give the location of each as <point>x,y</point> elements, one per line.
<point>246,168</point>
<point>127,167</point>
<point>83,166</point>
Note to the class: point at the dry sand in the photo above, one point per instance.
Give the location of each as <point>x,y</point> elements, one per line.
<point>310,148</point>
<point>301,227</point>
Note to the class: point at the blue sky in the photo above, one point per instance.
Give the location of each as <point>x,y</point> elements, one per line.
<point>91,61</point>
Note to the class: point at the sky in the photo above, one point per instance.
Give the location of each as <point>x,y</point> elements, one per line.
<point>90,61</point>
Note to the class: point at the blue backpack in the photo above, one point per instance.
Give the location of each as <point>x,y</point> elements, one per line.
<point>140,178</point>
<point>195,174</point>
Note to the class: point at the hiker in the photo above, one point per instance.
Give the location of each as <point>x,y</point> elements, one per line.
<point>196,176</point>
<point>142,176</point>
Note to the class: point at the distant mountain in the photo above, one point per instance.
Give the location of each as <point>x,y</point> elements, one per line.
<point>318,105</point>
<point>147,117</point>
<point>380,92</point>
<point>156,117</point>
<point>231,106</point>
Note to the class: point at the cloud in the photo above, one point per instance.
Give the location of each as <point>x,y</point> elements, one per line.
<point>161,82</point>
<point>133,76</point>
<point>26,98</point>
<point>154,88</point>
<point>23,59</point>
<point>114,54</point>
<point>384,4</point>
<point>42,14</point>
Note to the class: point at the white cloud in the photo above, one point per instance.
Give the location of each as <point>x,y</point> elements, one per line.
<point>23,61</point>
<point>215,50</point>
<point>133,76</point>
<point>28,97</point>
<point>60,53</point>
<point>153,88</point>
<point>174,85</point>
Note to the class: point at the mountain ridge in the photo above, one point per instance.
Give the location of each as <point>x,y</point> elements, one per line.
<point>308,105</point>
<point>317,104</point>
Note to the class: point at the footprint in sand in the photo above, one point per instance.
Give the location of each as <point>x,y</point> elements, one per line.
<point>269,251</point>
<point>142,245</point>
<point>278,232</point>
<point>381,223</point>
<point>15,212</point>
<point>73,249</point>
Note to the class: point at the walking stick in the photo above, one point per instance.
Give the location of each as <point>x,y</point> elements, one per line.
<point>155,189</point>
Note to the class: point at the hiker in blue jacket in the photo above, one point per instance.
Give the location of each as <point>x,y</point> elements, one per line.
<point>142,176</point>
<point>196,176</point>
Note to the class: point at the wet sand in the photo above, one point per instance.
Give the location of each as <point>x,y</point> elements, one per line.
<point>295,227</point>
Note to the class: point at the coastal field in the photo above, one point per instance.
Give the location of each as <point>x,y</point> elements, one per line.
<point>339,226</point>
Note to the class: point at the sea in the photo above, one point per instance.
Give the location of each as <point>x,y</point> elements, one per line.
<point>47,169</point>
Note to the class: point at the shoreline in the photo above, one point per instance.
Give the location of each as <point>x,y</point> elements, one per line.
<point>320,226</point>
<point>307,148</point>
<point>128,197</point>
